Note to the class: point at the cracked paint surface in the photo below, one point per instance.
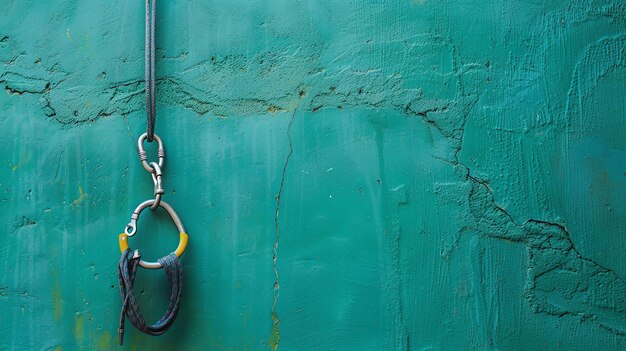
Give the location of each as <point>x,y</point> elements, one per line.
<point>420,175</point>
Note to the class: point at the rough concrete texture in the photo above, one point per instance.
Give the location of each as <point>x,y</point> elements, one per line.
<point>354,175</point>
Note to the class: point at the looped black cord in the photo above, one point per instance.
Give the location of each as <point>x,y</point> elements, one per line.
<point>150,71</point>
<point>126,272</point>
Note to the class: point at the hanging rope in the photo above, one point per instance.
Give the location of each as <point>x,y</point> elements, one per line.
<point>126,272</point>
<point>150,70</point>
<point>131,259</point>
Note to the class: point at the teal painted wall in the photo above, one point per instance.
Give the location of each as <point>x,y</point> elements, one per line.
<point>451,174</point>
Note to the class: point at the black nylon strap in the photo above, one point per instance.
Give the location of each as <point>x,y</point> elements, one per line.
<point>130,308</point>
<point>150,68</point>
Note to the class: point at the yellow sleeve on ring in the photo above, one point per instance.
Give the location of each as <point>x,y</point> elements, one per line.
<point>123,242</point>
<point>182,244</point>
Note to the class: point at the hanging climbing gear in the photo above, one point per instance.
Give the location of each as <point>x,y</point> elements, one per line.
<point>127,269</point>
<point>131,259</point>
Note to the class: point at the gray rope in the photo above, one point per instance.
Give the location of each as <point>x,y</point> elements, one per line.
<point>130,308</point>
<point>150,68</point>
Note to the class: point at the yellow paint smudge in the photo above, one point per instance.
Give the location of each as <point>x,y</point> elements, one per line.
<point>15,167</point>
<point>79,326</point>
<point>57,299</point>
<point>87,42</point>
<point>82,196</point>
<point>25,157</point>
<point>104,341</point>
<point>136,341</point>
<point>58,348</point>
<point>245,316</point>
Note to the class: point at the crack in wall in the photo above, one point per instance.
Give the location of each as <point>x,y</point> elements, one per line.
<point>295,76</point>
<point>582,287</point>
<point>275,334</point>
<point>560,281</point>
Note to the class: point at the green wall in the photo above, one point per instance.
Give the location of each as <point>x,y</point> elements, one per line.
<point>451,174</point>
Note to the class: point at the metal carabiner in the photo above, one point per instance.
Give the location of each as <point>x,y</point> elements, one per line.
<point>123,238</point>
<point>157,179</point>
<point>142,152</point>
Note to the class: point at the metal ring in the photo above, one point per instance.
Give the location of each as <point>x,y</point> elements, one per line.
<point>182,244</point>
<point>142,152</point>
